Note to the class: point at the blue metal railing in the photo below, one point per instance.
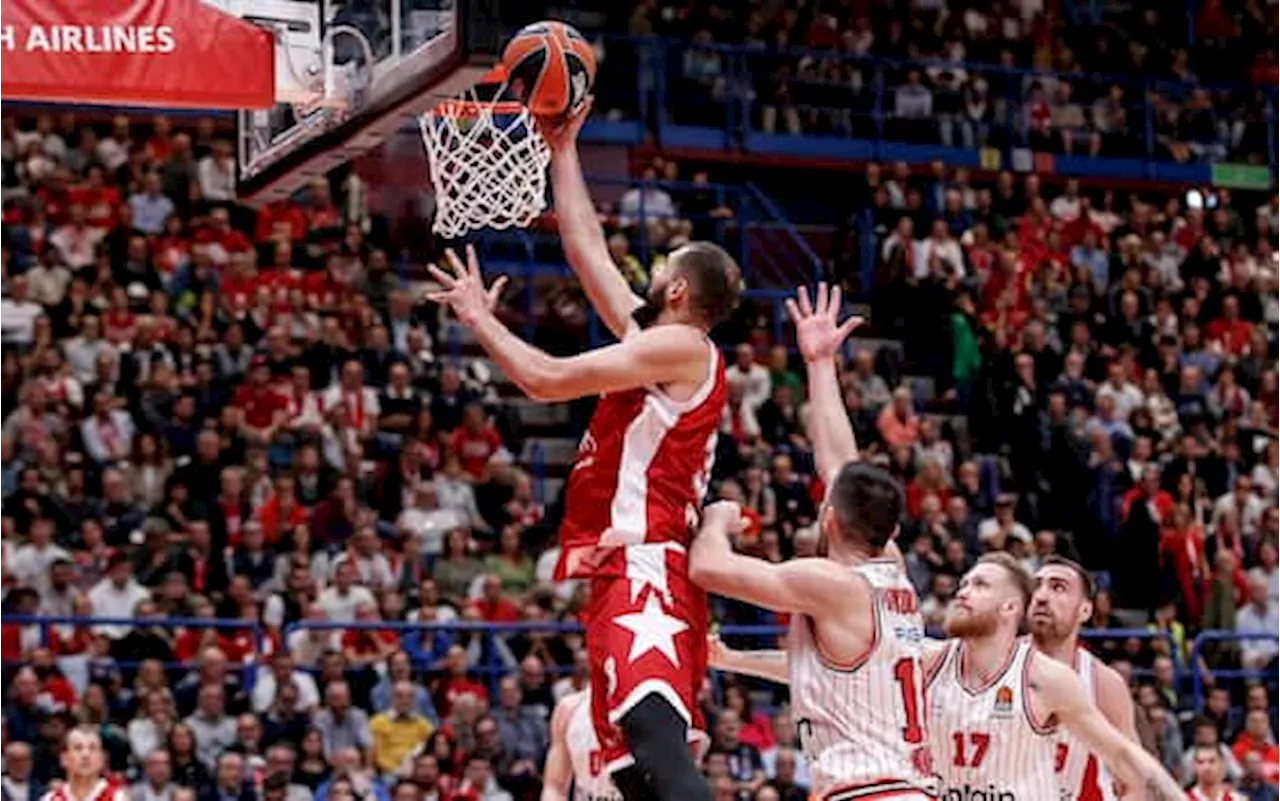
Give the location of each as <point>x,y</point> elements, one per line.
<point>1206,637</point>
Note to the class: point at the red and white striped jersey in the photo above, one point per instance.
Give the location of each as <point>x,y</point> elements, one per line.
<point>986,742</point>
<point>1082,776</point>
<point>104,790</point>
<point>1227,794</point>
<point>642,468</point>
<point>591,782</point>
<point>861,725</point>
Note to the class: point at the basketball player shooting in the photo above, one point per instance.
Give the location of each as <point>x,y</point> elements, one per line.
<point>83,761</point>
<point>997,703</point>
<point>853,655</point>
<point>636,488</point>
<point>573,760</point>
<point>1060,605</point>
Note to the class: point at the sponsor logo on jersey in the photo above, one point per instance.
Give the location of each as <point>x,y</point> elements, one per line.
<point>971,793</point>
<point>1003,707</point>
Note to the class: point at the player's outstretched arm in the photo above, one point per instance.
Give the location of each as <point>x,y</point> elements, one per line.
<point>557,775</point>
<point>580,232</point>
<point>797,586</point>
<point>1063,696</point>
<point>661,355</point>
<point>819,335</point>
<point>768,664</point>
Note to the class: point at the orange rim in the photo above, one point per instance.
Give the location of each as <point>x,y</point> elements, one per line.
<point>474,108</point>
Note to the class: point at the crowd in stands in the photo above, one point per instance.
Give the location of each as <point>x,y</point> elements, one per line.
<point>212,414</point>
<point>1021,73</point>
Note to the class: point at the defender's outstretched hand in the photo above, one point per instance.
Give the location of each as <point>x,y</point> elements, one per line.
<point>464,289</point>
<point>818,334</point>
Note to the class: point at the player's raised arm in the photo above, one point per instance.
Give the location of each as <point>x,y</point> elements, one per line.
<point>768,664</point>
<point>580,231</point>
<point>557,775</point>
<point>819,335</point>
<point>654,357</point>
<point>1063,696</point>
<point>797,586</point>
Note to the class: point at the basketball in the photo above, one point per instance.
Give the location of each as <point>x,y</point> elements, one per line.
<point>550,67</point>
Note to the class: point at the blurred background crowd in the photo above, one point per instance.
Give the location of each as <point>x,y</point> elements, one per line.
<point>299,494</point>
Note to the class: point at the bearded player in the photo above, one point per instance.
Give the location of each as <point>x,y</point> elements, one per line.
<point>999,707</point>
<point>83,761</point>
<point>634,495</point>
<point>853,654</point>
<point>1060,605</point>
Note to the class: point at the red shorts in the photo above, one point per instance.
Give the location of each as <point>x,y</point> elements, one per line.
<point>646,633</point>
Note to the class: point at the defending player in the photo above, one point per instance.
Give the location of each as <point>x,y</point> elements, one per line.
<point>996,703</point>
<point>634,494</point>
<point>1060,605</point>
<point>853,652</point>
<point>573,761</point>
<point>83,761</point>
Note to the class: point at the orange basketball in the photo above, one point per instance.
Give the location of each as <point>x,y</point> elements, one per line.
<point>550,67</point>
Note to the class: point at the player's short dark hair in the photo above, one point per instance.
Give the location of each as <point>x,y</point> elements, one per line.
<point>1087,583</point>
<point>1021,578</point>
<point>712,275</point>
<point>868,504</point>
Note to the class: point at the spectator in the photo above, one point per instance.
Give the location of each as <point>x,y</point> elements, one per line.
<point>398,731</point>
<point>745,767</point>
<point>215,731</point>
<point>341,725</point>
<point>1258,619</point>
<point>18,782</point>
<point>268,682</point>
<point>898,424</point>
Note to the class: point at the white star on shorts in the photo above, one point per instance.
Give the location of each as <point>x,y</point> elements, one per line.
<point>653,629</point>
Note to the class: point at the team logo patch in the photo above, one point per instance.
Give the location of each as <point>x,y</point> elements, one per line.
<point>1004,703</point>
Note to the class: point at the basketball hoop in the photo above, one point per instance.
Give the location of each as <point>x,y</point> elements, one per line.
<point>488,164</point>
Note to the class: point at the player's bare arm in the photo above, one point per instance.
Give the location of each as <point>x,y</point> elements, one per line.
<point>580,232</point>
<point>1114,701</point>
<point>557,774</point>
<point>819,335</point>
<point>768,664</point>
<point>798,586</point>
<point>1057,691</point>
<point>667,355</point>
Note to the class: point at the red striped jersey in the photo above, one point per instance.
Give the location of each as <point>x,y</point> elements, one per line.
<point>861,725</point>
<point>642,468</point>
<point>1082,776</point>
<point>1227,794</point>
<point>986,741</point>
<point>104,790</point>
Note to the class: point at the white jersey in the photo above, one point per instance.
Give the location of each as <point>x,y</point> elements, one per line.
<point>1082,776</point>
<point>986,744</point>
<point>861,725</point>
<point>1196,794</point>
<point>590,780</point>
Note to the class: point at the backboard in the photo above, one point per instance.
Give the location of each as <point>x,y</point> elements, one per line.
<point>349,73</point>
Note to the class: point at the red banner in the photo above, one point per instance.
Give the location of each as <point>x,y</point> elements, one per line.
<point>165,53</point>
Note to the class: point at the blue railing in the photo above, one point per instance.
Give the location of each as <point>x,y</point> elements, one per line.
<point>826,105</point>
<point>1207,637</point>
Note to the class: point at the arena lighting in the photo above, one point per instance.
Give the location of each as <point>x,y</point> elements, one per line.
<point>160,53</point>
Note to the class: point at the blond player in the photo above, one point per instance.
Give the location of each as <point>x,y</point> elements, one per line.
<point>997,705</point>
<point>1060,605</point>
<point>575,770</point>
<point>853,653</point>
<point>83,761</point>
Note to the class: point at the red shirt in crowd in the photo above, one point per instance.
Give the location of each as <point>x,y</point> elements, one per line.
<point>475,448</point>
<point>1232,334</point>
<point>259,404</point>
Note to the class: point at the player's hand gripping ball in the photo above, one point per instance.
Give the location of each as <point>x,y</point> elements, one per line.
<point>550,68</point>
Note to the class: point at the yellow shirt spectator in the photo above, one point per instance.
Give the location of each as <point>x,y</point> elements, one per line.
<point>398,731</point>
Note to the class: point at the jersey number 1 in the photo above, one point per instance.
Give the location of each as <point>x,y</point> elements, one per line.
<point>904,671</point>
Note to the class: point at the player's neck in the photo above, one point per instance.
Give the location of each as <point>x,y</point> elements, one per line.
<point>844,554</point>
<point>81,786</point>
<point>987,655</point>
<point>1211,791</point>
<point>1063,650</point>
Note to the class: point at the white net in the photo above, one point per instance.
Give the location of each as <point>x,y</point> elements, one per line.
<point>488,165</point>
